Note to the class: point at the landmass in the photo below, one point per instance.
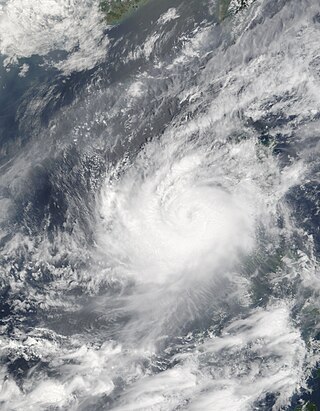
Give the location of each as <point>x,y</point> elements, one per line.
<point>116,10</point>
<point>309,406</point>
<point>231,7</point>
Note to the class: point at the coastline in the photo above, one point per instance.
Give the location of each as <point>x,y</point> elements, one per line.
<point>116,11</point>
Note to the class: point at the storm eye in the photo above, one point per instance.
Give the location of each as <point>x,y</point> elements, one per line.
<point>184,215</point>
<point>159,205</point>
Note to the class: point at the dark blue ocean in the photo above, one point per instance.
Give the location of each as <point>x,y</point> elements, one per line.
<point>159,206</point>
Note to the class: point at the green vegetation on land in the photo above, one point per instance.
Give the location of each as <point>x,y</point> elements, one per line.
<point>309,406</point>
<point>117,10</point>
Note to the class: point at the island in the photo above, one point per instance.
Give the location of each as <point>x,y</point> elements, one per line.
<point>116,11</point>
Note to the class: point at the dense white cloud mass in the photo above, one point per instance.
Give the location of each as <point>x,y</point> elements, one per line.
<point>181,273</point>
<point>39,27</point>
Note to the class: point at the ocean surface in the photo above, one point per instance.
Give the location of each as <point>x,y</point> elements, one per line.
<point>159,206</point>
